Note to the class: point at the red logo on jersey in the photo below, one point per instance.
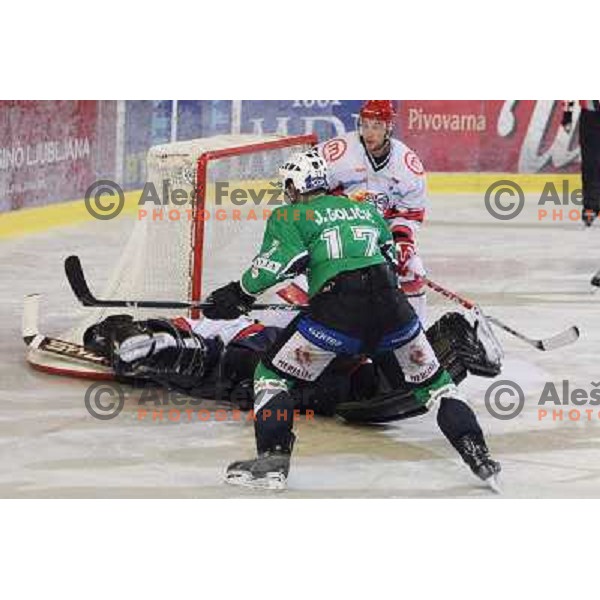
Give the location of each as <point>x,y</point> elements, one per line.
<point>334,149</point>
<point>417,356</point>
<point>414,164</point>
<point>303,356</point>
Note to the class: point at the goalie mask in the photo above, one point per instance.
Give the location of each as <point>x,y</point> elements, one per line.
<point>307,171</point>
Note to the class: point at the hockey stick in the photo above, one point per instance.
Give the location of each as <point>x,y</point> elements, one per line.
<point>57,347</point>
<point>559,340</point>
<point>295,294</point>
<point>78,283</point>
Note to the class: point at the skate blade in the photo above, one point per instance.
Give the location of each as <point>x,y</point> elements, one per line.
<point>272,481</point>
<point>494,484</point>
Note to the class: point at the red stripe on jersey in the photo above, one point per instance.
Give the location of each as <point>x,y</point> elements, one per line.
<point>410,214</point>
<point>248,331</point>
<point>293,294</point>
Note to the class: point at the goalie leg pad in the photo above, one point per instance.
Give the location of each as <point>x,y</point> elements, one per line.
<point>186,358</point>
<point>155,349</point>
<point>382,408</point>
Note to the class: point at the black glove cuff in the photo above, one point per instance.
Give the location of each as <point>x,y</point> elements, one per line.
<point>246,298</point>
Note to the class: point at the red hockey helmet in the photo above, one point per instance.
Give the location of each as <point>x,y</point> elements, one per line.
<point>381,110</point>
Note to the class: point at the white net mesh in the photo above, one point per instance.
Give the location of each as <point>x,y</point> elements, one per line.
<point>158,259</point>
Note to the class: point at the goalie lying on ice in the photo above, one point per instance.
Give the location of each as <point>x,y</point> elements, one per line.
<point>216,360</point>
<point>355,308</point>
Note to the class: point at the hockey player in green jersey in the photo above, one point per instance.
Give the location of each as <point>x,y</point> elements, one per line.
<point>347,253</point>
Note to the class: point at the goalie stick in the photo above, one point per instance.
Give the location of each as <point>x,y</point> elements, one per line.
<point>54,346</point>
<point>78,283</point>
<point>568,336</point>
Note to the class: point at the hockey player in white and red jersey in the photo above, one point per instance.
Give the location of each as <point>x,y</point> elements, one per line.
<point>370,165</point>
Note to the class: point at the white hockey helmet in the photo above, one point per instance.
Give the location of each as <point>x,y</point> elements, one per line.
<point>307,170</point>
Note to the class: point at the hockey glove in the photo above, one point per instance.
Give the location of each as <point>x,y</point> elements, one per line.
<point>410,267</point>
<point>228,302</point>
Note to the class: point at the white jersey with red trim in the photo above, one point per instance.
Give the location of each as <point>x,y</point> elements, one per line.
<point>228,330</point>
<point>397,187</point>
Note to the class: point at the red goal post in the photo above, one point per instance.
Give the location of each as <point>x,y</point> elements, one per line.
<point>203,185</point>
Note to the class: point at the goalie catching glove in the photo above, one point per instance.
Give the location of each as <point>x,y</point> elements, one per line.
<point>228,302</point>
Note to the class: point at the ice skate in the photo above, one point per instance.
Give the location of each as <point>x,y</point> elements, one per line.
<point>267,471</point>
<point>475,453</point>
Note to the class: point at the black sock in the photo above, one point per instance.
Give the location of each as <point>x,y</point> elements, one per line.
<point>274,423</point>
<point>456,419</point>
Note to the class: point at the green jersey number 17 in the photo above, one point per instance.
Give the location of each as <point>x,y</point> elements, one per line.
<point>361,234</point>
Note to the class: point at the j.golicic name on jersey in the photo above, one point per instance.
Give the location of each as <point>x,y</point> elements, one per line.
<point>330,215</point>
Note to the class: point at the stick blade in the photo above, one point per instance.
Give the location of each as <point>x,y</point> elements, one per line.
<point>30,317</point>
<point>569,336</point>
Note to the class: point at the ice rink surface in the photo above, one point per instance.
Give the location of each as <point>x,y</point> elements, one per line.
<point>534,275</point>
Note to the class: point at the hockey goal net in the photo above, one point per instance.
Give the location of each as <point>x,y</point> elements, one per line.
<point>219,193</point>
